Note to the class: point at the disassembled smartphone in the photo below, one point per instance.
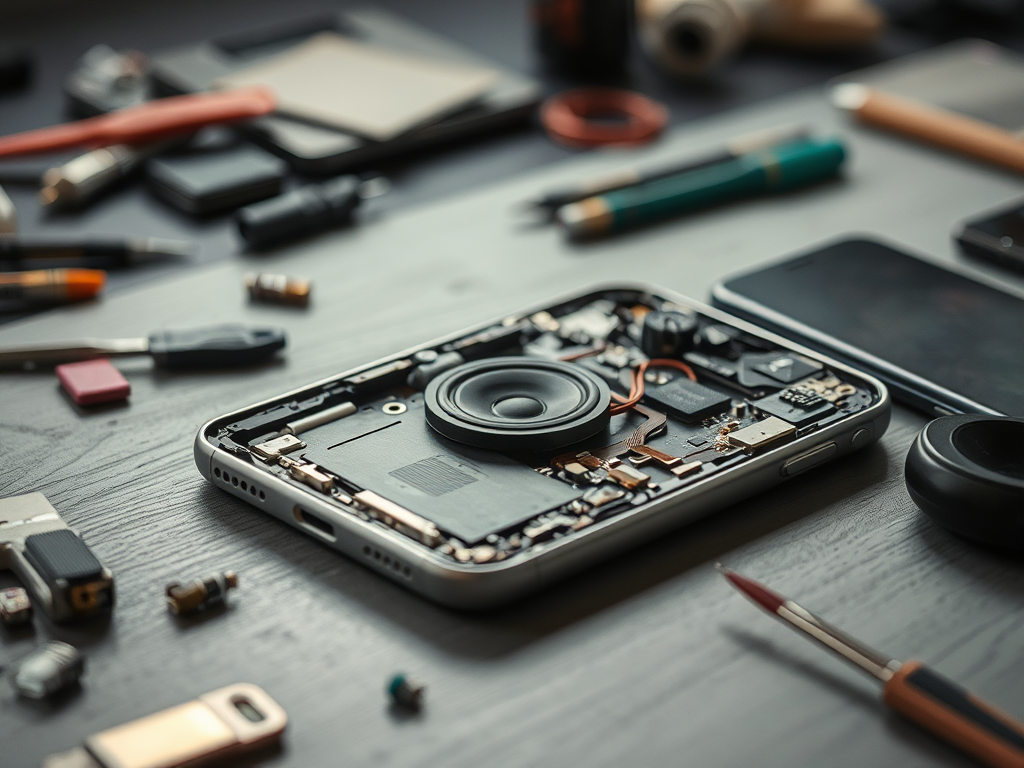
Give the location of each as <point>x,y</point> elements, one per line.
<point>478,467</point>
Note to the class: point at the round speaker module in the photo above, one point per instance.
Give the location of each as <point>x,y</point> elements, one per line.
<point>967,473</point>
<point>517,403</point>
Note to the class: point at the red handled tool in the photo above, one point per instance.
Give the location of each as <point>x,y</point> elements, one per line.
<point>152,121</point>
<point>938,705</point>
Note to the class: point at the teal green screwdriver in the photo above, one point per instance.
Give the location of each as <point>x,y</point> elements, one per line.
<point>772,169</point>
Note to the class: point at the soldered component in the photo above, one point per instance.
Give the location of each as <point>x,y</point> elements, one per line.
<point>545,322</point>
<point>546,529</point>
<point>686,469</point>
<point>400,518</point>
<point>605,494</point>
<point>47,670</point>
<point>15,607</point>
<point>278,289</point>
<point>483,553</point>
<point>200,594</point>
<point>52,561</point>
<point>577,472</point>
<point>629,478</point>
<point>653,454</point>
<point>310,474</point>
<point>314,420</point>
<point>376,373</point>
<point>406,692</point>
<point>278,447</point>
<point>762,434</point>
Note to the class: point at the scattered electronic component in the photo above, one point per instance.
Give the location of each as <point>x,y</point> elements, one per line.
<point>665,459</point>
<point>799,407</point>
<point>279,446</point>
<point>61,572</point>
<point>545,322</point>
<point>762,434</point>
<point>687,400</point>
<point>546,529</point>
<point>667,334</point>
<point>319,418</point>
<point>201,594</point>
<point>576,471</point>
<point>400,518</point>
<point>602,495</point>
<point>311,475</point>
<point>15,607</point>
<point>594,321</point>
<point>688,468</point>
<point>85,177</point>
<point>47,670</point>
<point>784,367</point>
<point>629,478</point>
<point>406,692</point>
<point>278,289</point>
<point>304,211</point>
<point>105,80</point>
<point>92,382</point>
<point>715,339</point>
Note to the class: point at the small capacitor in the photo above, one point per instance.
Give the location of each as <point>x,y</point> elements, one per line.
<point>201,593</point>
<point>278,289</point>
<point>304,211</point>
<point>716,339</point>
<point>667,334</point>
<point>15,607</point>
<point>48,669</point>
<point>406,692</point>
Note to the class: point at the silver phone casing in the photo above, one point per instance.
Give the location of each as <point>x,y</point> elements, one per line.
<point>473,586</point>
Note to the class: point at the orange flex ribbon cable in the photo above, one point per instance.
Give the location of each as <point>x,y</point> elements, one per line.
<point>145,123</point>
<point>636,389</point>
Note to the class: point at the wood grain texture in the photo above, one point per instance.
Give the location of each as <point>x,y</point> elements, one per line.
<point>650,659</point>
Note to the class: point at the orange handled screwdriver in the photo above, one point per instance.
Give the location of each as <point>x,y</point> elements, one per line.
<point>152,121</point>
<point>52,286</point>
<point>936,704</point>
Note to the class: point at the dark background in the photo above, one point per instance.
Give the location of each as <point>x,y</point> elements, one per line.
<point>59,33</point>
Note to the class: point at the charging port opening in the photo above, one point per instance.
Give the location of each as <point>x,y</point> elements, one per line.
<point>310,520</point>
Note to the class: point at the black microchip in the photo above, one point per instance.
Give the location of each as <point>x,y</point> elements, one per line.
<point>798,414</point>
<point>801,398</point>
<point>687,400</point>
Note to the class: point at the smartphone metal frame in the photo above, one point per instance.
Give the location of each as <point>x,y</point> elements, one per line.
<point>909,387</point>
<point>474,586</point>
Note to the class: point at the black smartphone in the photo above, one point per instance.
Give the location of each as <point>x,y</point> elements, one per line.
<point>942,341</point>
<point>997,237</point>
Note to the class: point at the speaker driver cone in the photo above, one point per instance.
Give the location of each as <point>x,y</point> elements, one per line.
<point>517,403</point>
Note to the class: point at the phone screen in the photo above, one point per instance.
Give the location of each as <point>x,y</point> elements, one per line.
<point>1009,224</point>
<point>953,331</point>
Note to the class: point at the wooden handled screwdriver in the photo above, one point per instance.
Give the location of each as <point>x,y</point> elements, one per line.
<point>936,704</point>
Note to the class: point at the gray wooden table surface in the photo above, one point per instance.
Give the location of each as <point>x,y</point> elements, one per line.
<point>649,659</point>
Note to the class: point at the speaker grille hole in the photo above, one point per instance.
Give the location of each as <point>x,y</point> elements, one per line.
<point>387,562</point>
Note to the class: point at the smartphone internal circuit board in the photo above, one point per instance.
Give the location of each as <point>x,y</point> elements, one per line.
<point>541,425</point>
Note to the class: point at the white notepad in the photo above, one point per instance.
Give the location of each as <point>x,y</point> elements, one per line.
<point>371,91</point>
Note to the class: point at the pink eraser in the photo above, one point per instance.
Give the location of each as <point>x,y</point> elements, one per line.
<point>93,381</point>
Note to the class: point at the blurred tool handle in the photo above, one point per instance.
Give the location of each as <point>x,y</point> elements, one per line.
<point>220,346</point>
<point>152,121</point>
<point>69,352</point>
<point>932,124</point>
<point>956,716</point>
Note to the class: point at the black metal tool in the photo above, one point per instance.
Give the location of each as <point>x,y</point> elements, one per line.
<point>219,346</point>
